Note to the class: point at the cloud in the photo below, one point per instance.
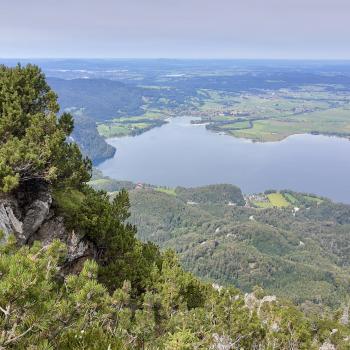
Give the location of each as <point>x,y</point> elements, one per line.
<point>181,28</point>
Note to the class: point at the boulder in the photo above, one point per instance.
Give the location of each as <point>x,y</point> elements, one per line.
<point>327,346</point>
<point>35,214</point>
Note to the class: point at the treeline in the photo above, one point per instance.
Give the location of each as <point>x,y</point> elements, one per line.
<point>123,293</point>
<point>301,255</point>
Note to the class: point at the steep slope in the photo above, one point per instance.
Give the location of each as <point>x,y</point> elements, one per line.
<point>31,214</point>
<point>303,255</point>
<point>91,144</point>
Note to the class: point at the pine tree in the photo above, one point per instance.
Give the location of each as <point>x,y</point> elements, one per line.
<point>33,138</point>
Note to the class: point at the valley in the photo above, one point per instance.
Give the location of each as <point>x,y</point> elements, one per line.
<point>294,246</point>
<point>174,175</point>
<point>167,133</point>
<point>266,100</point>
<point>181,153</point>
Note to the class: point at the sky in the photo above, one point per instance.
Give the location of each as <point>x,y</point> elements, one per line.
<point>308,29</point>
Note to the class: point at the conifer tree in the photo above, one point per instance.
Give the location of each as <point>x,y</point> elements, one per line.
<point>33,137</point>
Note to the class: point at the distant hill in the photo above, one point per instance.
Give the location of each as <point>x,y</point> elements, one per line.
<point>300,252</point>
<point>93,100</point>
<point>101,99</point>
<point>302,255</point>
<point>90,142</point>
<point>213,194</point>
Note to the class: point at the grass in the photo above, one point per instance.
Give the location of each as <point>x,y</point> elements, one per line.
<point>280,114</point>
<point>121,129</point>
<point>331,121</point>
<point>313,199</point>
<point>262,204</point>
<point>286,199</point>
<point>290,198</point>
<point>112,130</point>
<point>169,191</point>
<point>131,125</point>
<point>235,126</point>
<point>278,200</point>
<point>146,115</point>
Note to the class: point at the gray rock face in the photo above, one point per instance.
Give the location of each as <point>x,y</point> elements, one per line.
<point>221,342</point>
<point>9,224</point>
<point>77,248</point>
<point>31,217</point>
<point>327,346</point>
<point>35,214</point>
<point>52,228</point>
<point>345,317</point>
<point>34,218</point>
<point>5,224</point>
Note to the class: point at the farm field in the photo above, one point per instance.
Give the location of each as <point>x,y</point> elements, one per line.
<point>282,199</point>
<point>130,125</point>
<point>278,200</point>
<point>329,122</point>
<point>169,191</point>
<point>290,198</point>
<point>272,116</point>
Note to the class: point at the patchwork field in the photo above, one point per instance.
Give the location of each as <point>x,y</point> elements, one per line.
<point>273,116</point>
<point>328,122</point>
<point>282,200</point>
<point>262,115</point>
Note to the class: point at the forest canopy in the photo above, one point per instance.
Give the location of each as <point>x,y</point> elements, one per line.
<point>32,136</point>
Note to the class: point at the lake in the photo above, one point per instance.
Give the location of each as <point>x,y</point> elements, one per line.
<point>182,154</point>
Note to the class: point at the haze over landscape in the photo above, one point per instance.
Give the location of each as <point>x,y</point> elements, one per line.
<point>174,175</point>
<point>315,29</point>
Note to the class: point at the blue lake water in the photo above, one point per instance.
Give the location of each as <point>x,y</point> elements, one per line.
<point>182,154</point>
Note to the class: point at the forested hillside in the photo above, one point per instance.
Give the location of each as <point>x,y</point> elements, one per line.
<point>101,99</point>
<point>73,275</point>
<point>301,254</point>
<point>90,142</point>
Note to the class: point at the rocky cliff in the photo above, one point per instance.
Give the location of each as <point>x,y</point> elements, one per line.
<point>30,215</point>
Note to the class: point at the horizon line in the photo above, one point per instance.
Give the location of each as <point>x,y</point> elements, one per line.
<point>180,58</point>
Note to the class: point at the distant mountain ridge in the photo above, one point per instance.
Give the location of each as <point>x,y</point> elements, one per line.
<point>100,99</point>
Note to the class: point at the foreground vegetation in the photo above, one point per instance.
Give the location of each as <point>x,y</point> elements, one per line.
<point>127,294</point>
<point>176,311</point>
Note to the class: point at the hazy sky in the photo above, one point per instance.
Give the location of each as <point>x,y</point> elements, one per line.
<point>175,28</point>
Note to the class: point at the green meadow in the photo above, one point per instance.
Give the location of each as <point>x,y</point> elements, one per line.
<point>278,200</point>
<point>272,116</point>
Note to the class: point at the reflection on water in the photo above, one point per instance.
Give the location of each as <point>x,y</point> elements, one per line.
<point>181,154</point>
